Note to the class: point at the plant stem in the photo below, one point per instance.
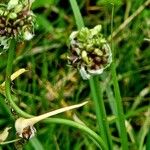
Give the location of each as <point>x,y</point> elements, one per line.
<point>118,101</point>
<point>95,89</point>
<point>11,53</point>
<point>8,142</point>
<point>100,110</point>
<point>77,14</point>
<point>82,127</point>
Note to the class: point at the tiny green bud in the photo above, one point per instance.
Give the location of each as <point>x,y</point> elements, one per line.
<point>103,41</point>
<point>12,15</point>
<point>1,12</point>
<point>85,57</point>
<point>96,30</point>
<point>98,52</point>
<point>83,34</point>
<point>89,47</point>
<point>18,8</point>
<point>5,13</point>
<point>21,23</point>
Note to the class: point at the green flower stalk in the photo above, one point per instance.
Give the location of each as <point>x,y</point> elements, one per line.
<point>16,25</point>
<point>90,52</point>
<point>16,21</point>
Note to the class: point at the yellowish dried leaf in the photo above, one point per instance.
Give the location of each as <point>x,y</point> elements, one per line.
<point>4,134</point>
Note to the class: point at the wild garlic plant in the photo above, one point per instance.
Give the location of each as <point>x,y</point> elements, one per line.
<point>90,53</point>
<point>88,66</point>
<point>25,127</point>
<point>17,23</point>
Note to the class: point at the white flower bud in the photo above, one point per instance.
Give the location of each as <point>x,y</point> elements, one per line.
<point>6,13</point>
<point>84,56</point>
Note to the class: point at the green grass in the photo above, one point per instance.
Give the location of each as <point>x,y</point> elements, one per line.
<point>51,84</point>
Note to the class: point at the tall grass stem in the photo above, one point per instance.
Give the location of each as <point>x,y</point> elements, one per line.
<point>118,100</point>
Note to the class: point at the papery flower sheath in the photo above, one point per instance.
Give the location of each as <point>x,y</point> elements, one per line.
<point>25,127</point>
<point>16,21</point>
<point>89,51</point>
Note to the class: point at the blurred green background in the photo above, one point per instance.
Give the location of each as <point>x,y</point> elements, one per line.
<point>51,83</point>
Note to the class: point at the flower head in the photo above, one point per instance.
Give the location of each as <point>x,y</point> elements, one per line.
<point>25,127</point>
<point>16,21</point>
<point>90,52</point>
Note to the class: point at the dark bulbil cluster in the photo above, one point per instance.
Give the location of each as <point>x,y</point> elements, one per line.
<point>90,52</point>
<point>12,25</point>
<point>89,59</point>
<point>16,21</point>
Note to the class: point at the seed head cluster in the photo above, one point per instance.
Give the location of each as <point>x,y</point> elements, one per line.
<point>89,51</point>
<point>16,21</point>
